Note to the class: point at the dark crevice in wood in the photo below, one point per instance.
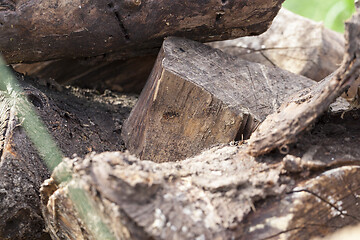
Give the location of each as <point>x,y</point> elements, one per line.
<point>121,24</point>
<point>219,16</point>
<point>120,21</point>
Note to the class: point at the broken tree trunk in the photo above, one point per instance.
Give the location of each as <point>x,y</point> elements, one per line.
<point>295,115</point>
<point>221,194</point>
<point>198,96</point>
<point>78,126</point>
<point>36,30</point>
<point>294,43</point>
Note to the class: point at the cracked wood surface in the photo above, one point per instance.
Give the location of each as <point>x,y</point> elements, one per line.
<point>197,97</point>
<point>222,193</point>
<point>38,30</point>
<point>79,121</point>
<point>294,43</point>
<point>295,115</point>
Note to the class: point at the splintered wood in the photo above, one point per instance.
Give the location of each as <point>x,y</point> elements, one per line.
<point>295,115</point>
<point>198,96</point>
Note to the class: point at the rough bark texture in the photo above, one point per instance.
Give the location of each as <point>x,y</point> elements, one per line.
<point>221,194</point>
<point>302,109</point>
<point>100,73</point>
<point>38,30</point>
<point>78,125</point>
<point>198,96</point>
<point>294,43</point>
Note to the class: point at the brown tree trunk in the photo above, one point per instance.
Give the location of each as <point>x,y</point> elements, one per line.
<point>38,30</point>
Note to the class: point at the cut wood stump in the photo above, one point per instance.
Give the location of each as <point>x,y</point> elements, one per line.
<point>221,194</point>
<point>294,43</point>
<point>36,30</point>
<point>198,96</point>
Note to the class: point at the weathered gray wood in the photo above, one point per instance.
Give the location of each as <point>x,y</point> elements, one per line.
<point>198,96</point>
<point>38,30</point>
<point>295,115</point>
<point>221,194</point>
<point>294,43</point>
<point>80,122</point>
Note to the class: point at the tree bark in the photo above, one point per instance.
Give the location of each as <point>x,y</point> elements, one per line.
<point>197,97</point>
<point>38,30</point>
<point>79,121</point>
<point>294,43</point>
<point>221,194</point>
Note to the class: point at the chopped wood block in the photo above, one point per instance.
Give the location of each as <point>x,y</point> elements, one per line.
<point>198,96</point>
<point>302,109</point>
<point>294,43</point>
<point>36,30</point>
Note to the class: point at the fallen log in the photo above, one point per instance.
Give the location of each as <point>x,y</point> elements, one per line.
<point>295,115</point>
<point>35,30</point>
<point>79,121</point>
<point>221,194</point>
<point>294,43</point>
<point>198,96</point>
